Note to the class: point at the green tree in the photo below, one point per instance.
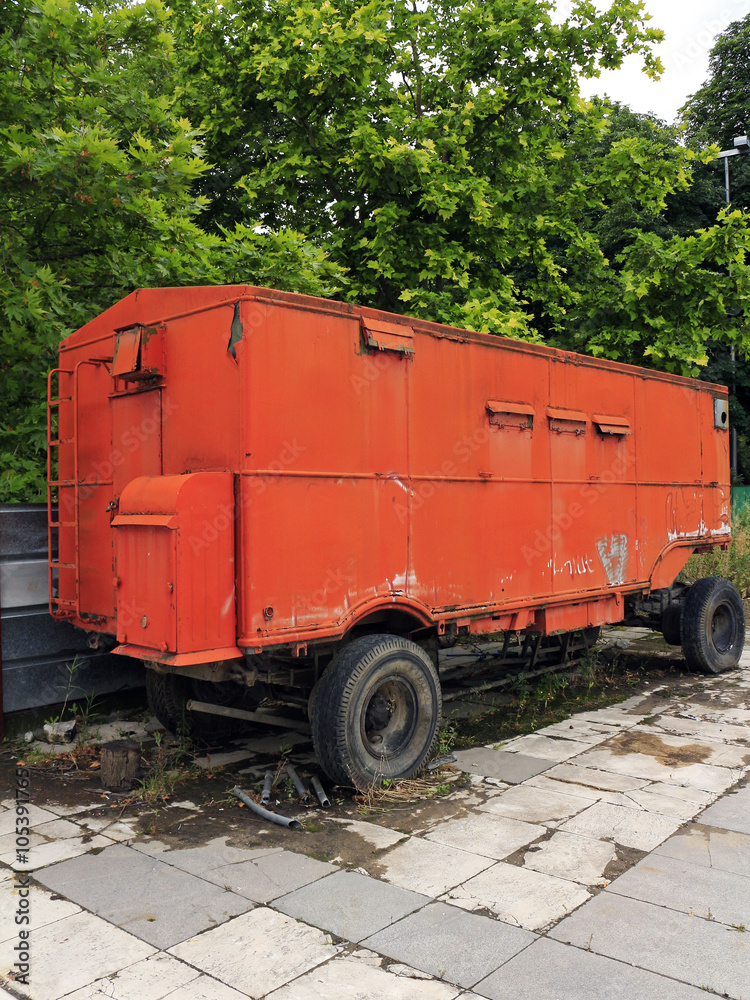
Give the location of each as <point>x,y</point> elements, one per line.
<point>96,198</point>
<point>443,154</point>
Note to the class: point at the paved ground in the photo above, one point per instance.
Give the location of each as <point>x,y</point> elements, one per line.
<point>606,857</point>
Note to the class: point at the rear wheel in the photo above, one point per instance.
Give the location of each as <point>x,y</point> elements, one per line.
<point>168,694</point>
<point>713,626</point>
<point>376,711</point>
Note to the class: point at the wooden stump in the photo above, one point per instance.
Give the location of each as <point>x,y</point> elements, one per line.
<point>120,762</point>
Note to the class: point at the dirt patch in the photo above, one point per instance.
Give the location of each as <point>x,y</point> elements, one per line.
<point>626,858</point>
<point>653,746</point>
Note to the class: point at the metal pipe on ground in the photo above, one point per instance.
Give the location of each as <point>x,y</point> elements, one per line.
<point>292,824</point>
<point>265,797</point>
<point>297,782</point>
<point>318,788</point>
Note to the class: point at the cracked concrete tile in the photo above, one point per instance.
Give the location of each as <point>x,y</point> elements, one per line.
<point>578,729</point>
<point>483,833</point>
<point>152,978</point>
<point>544,747</point>
<point>700,952</point>
<point>270,876</point>
<point>549,969</point>
<point>702,845</point>
<point>571,856</point>
<point>258,951</point>
<point>69,953</point>
<point>519,896</point>
<point>694,889</point>
<point>427,940</point>
<point>429,868</point>
<point>630,827</point>
<point>666,800</point>
<point>347,979</point>
<point>532,804</point>
<point>350,905</point>
<point>594,777</point>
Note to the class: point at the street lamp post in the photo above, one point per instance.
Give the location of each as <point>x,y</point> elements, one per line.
<point>741,148</point>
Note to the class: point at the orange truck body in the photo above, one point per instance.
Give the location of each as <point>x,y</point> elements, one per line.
<point>240,470</point>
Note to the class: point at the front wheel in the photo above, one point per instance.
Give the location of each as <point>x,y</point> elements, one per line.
<point>376,711</point>
<point>713,625</point>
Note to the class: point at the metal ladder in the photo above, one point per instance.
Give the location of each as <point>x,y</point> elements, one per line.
<point>63,529</point>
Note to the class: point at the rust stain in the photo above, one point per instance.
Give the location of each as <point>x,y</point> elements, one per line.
<point>654,746</point>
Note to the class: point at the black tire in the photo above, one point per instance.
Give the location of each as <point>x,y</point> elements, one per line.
<point>671,624</point>
<point>713,626</point>
<point>376,711</point>
<point>168,695</point>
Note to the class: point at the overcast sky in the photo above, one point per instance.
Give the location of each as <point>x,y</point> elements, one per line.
<point>689,27</point>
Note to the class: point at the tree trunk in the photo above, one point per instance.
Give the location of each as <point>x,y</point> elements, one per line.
<point>120,760</point>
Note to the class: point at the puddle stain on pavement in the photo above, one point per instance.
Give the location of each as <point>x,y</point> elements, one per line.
<point>653,746</point>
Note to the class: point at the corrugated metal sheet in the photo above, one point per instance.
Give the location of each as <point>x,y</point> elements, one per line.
<point>36,650</point>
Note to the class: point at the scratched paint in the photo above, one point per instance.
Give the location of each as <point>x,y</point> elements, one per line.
<point>613,552</point>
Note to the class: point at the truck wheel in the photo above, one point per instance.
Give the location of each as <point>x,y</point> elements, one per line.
<point>376,711</point>
<point>169,693</point>
<point>713,625</point>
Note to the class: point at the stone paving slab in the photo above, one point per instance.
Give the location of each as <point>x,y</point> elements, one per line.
<point>557,749</point>
<point>594,778</point>
<point>199,860</point>
<point>71,952</point>
<point>257,952</point>
<point>731,813</point>
<point>152,978</point>
<point>535,805</point>
<point>348,979</point>
<point>580,730</point>
<point>630,827</point>
<point>350,905</point>
<point>43,909</point>
<point>669,800</point>
<point>723,849</point>
<point>269,876</point>
<point>519,896</point>
<point>694,889</point>
<point>431,940</point>
<point>510,767</point>
<point>143,895</point>
<point>570,856</point>
<point>703,953</point>
<point>41,855</point>
<point>429,868</point>
<point>548,970</point>
<point>379,836</point>
<point>482,833</point>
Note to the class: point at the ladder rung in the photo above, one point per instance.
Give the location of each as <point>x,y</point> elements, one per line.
<point>61,524</point>
<point>59,565</point>
<point>60,399</point>
<point>61,482</point>
<point>58,441</point>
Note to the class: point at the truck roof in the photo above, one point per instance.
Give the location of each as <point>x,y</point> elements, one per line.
<point>150,306</point>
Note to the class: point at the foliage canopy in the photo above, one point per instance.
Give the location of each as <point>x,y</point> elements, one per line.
<point>430,158</point>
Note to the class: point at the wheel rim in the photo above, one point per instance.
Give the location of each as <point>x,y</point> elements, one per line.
<point>723,627</point>
<point>389,717</point>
